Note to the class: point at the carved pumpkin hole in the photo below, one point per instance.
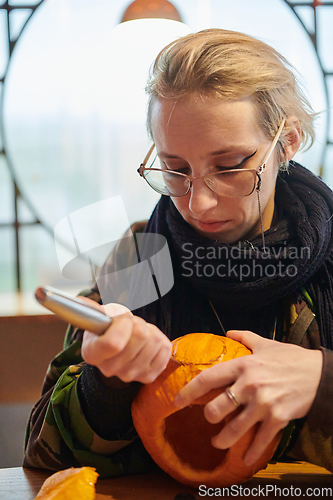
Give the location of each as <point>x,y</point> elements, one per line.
<point>193,446</point>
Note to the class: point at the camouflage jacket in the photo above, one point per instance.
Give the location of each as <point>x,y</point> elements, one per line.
<point>59,435</point>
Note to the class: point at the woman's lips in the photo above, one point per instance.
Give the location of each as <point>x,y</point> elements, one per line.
<point>210,226</point>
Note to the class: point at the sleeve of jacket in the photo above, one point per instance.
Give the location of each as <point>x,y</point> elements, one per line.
<point>58,433</point>
<point>315,439</point>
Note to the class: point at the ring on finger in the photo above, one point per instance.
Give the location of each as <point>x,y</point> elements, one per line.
<point>232,397</point>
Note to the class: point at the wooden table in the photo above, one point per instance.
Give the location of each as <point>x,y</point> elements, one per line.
<point>23,484</point>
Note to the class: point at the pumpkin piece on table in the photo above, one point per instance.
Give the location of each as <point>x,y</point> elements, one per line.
<point>179,441</point>
<point>70,484</point>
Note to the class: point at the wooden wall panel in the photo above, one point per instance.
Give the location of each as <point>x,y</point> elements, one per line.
<point>27,345</point>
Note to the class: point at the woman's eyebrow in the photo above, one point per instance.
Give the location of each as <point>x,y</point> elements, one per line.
<point>168,156</point>
<point>232,150</point>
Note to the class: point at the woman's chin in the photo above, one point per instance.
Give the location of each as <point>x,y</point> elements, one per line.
<point>229,237</point>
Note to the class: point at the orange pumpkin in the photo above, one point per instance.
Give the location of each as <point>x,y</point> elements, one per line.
<point>179,441</point>
<point>69,484</point>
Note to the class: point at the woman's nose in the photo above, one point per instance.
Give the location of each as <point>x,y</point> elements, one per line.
<point>201,197</point>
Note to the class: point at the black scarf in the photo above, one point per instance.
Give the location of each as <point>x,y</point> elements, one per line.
<point>246,284</point>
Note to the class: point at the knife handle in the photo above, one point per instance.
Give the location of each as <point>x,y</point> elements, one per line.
<point>78,313</point>
<point>73,310</point>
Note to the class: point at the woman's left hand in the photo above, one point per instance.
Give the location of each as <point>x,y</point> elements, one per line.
<point>274,385</point>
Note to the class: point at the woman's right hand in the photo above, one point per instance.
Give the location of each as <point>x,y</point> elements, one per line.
<point>130,349</point>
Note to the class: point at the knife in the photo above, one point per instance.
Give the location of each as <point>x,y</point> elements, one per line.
<point>78,313</point>
<point>73,310</point>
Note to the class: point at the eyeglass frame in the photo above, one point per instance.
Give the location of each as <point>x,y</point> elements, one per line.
<point>260,170</point>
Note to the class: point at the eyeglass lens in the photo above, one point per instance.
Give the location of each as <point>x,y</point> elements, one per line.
<point>235,183</point>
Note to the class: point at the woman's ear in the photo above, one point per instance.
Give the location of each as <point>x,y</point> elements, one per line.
<point>292,137</point>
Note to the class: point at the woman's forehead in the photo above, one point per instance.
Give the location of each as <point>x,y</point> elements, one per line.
<point>205,119</point>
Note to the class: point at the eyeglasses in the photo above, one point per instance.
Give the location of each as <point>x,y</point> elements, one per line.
<point>233,183</point>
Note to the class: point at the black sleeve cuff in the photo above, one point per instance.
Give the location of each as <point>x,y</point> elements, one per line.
<point>107,410</point>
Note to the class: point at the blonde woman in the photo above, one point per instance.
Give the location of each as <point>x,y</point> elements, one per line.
<point>250,236</point>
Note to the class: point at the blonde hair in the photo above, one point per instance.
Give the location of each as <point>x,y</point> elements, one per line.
<point>231,65</point>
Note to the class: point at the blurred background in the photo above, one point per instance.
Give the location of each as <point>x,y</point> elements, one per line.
<point>72,134</point>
